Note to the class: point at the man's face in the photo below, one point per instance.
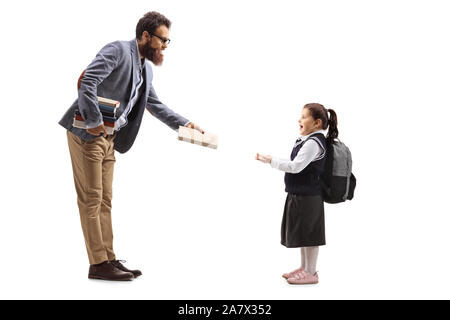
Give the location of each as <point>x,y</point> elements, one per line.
<point>155,44</point>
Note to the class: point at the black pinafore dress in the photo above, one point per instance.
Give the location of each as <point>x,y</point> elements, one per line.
<point>303,222</point>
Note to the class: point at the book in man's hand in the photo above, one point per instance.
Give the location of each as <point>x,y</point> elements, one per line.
<point>78,122</point>
<point>108,102</point>
<point>104,116</point>
<point>107,111</point>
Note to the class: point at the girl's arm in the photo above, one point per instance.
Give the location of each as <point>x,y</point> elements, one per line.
<point>305,156</point>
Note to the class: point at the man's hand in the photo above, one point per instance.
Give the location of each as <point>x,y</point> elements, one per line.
<point>100,130</point>
<point>264,158</point>
<point>194,126</point>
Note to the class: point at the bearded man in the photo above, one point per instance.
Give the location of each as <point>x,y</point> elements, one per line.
<point>120,72</point>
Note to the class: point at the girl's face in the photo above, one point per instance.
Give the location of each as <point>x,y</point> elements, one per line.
<point>307,123</point>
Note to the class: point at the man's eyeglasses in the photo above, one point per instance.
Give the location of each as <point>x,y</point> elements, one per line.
<point>163,40</point>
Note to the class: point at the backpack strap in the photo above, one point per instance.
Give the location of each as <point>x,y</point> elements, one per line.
<point>321,146</point>
<point>349,172</point>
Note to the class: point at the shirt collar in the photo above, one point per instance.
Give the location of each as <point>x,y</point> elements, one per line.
<point>303,138</point>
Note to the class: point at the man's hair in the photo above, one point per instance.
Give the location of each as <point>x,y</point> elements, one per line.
<point>150,22</point>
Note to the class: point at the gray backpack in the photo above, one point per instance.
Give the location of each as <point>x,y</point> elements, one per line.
<point>337,181</point>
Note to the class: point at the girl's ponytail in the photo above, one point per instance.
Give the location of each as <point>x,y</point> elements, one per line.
<point>318,111</point>
<point>333,131</point>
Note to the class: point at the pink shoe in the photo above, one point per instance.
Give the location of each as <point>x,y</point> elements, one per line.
<point>292,273</point>
<point>304,277</point>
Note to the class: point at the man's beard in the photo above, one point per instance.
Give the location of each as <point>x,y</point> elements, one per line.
<point>154,55</point>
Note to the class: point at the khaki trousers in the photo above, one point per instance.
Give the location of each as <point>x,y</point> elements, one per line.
<point>93,167</point>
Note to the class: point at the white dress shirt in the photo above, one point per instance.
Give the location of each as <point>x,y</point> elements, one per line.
<point>309,152</point>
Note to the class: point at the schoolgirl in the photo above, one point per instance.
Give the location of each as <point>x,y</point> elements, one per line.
<point>303,224</point>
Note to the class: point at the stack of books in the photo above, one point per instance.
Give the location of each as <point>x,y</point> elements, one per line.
<point>108,109</point>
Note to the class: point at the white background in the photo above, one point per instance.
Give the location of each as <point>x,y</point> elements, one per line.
<point>203,223</point>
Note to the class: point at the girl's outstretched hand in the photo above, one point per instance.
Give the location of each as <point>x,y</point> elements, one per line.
<point>264,158</point>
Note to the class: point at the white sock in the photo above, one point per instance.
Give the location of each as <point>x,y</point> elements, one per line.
<point>303,257</point>
<point>311,254</point>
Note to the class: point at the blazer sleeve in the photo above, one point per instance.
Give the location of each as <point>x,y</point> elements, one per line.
<point>101,67</point>
<point>162,112</point>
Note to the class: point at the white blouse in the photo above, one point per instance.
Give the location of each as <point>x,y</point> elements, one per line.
<point>309,152</point>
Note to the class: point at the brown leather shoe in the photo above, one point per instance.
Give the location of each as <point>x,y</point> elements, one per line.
<point>107,271</point>
<point>118,264</point>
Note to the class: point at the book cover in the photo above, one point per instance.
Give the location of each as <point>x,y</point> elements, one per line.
<point>107,108</point>
<point>106,123</point>
<point>105,117</point>
<point>108,102</point>
<point>108,114</point>
<point>109,119</point>
<point>82,125</point>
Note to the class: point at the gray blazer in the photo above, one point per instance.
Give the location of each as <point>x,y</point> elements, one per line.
<point>113,74</point>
